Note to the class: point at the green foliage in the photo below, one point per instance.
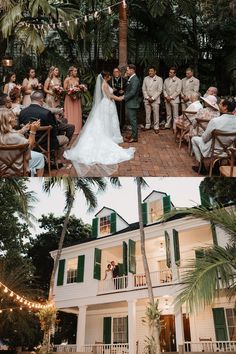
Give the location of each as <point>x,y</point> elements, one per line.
<point>221,189</point>
<point>48,240</point>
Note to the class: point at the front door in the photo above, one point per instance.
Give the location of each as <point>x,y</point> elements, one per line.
<point>167,337</point>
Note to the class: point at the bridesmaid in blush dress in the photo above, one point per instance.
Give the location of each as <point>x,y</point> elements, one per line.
<point>30,83</point>
<point>72,106</point>
<point>53,80</point>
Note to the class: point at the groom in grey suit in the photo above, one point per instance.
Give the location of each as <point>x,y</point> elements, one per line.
<point>131,98</point>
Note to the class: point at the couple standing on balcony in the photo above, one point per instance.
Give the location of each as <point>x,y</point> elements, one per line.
<point>111,273</point>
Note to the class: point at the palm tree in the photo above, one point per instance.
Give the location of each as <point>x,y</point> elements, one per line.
<point>123,35</point>
<point>213,271</point>
<point>154,323</point>
<point>71,186</point>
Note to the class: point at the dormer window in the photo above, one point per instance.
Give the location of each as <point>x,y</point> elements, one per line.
<point>155,206</point>
<point>105,225</point>
<point>155,210</point>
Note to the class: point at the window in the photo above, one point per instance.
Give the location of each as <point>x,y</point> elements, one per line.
<point>72,271</point>
<point>105,225</point>
<point>231,321</point>
<point>120,327</point>
<point>155,210</point>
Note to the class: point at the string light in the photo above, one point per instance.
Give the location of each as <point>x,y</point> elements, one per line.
<point>76,20</point>
<point>26,302</point>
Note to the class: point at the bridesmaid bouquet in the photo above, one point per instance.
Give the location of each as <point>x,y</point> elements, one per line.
<point>58,92</point>
<point>36,87</point>
<point>75,91</point>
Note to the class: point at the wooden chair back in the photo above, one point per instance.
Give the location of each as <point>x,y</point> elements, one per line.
<point>201,124</point>
<point>43,144</point>
<point>14,160</point>
<point>221,151</point>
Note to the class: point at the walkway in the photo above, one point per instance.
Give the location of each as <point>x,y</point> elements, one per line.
<point>156,155</point>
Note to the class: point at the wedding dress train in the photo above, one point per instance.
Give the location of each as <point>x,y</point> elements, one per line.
<point>96,151</point>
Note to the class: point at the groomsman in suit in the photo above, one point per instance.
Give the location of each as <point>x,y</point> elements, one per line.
<point>115,274</point>
<point>152,89</point>
<point>172,90</point>
<point>118,83</point>
<point>190,84</point>
<point>131,98</point>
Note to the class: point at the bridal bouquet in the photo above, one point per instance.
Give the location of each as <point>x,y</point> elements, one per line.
<point>36,87</point>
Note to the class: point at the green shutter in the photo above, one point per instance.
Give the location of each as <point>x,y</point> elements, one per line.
<point>80,269</point>
<point>205,199</point>
<point>199,253</point>
<point>176,246</point>
<point>214,235</point>
<point>166,204</point>
<point>125,258</point>
<point>107,330</point>
<point>132,260</point>
<point>168,255</point>
<point>97,264</point>
<point>95,227</point>
<point>61,270</point>
<point>144,212</point>
<point>220,324</point>
<point>113,223</point>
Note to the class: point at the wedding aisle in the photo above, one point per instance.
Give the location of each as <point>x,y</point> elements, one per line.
<point>156,155</point>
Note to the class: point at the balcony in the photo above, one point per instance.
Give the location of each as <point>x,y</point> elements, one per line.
<point>210,347</point>
<point>134,281</point>
<point>106,348</point>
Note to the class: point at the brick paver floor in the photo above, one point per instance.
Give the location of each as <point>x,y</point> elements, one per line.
<point>156,155</point>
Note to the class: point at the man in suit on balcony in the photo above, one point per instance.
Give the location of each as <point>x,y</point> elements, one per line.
<point>115,273</point>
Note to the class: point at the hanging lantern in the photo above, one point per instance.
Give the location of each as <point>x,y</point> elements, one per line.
<point>7,61</point>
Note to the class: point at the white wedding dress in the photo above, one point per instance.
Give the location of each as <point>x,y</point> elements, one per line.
<point>96,151</point>
<point>109,281</point>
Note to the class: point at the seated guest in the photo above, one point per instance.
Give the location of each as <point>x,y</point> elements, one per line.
<point>9,136</point>
<point>5,101</point>
<point>36,111</point>
<point>225,123</point>
<point>194,106</point>
<point>212,91</point>
<point>16,99</point>
<point>210,111</point>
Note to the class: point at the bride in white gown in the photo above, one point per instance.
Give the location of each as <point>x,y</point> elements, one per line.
<point>96,151</point>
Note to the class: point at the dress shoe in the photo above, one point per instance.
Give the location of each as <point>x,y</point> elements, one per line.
<point>156,131</point>
<point>133,141</point>
<point>202,171</point>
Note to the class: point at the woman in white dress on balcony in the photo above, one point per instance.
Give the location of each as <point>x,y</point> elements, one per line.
<point>108,280</point>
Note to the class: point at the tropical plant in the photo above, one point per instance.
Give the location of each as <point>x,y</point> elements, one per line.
<point>213,271</point>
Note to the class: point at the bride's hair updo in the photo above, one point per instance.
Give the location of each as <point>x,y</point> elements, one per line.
<point>105,73</point>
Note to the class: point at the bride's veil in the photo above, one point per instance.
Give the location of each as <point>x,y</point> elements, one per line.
<point>98,94</point>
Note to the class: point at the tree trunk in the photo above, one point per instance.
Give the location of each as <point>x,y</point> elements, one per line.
<point>155,331</point>
<point>60,245</point>
<point>123,34</point>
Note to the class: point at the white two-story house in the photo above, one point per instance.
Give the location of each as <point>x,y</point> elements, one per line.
<point>111,311</point>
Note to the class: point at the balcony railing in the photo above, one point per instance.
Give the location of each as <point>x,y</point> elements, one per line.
<point>68,348</point>
<point>106,348</point>
<point>135,281</point>
<point>209,346</point>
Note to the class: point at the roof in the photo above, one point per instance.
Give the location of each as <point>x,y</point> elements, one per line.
<point>113,212</point>
<point>154,191</point>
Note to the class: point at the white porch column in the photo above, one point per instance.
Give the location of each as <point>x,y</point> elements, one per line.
<point>179,328</point>
<point>81,324</point>
<point>132,325</point>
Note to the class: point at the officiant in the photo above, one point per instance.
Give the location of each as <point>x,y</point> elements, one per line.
<point>119,83</point>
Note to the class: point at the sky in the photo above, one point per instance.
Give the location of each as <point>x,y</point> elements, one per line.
<point>184,192</point>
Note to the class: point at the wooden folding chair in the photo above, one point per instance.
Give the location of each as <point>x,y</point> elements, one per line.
<point>217,154</point>
<point>201,124</point>
<point>182,129</point>
<point>43,144</point>
<point>14,160</point>
<point>230,170</point>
